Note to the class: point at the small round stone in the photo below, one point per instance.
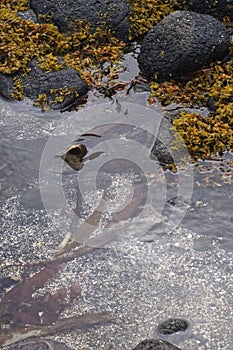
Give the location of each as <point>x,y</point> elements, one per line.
<point>173,325</point>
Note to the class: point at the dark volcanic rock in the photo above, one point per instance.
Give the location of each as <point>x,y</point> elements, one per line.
<point>182,42</point>
<point>155,344</point>
<point>173,325</point>
<point>218,9</point>
<point>161,153</point>
<point>111,13</point>
<point>39,82</point>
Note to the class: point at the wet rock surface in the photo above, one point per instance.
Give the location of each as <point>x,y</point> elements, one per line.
<point>182,42</point>
<point>155,344</point>
<point>161,153</point>
<point>218,9</point>
<point>38,82</point>
<point>111,14</point>
<point>172,325</point>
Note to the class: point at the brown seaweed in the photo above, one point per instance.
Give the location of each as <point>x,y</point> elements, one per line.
<point>24,315</point>
<point>18,307</point>
<point>89,319</point>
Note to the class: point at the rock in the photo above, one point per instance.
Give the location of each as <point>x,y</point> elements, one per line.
<point>28,15</point>
<point>155,344</point>
<point>38,82</point>
<point>218,9</point>
<point>161,153</point>
<point>173,325</point>
<point>112,14</point>
<point>182,42</point>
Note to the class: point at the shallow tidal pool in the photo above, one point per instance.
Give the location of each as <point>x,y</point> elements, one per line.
<point>163,240</point>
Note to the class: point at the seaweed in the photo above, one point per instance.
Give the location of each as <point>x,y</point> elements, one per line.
<point>211,87</point>
<point>18,89</point>
<point>145,14</point>
<point>204,136</point>
<point>79,48</point>
<point>24,315</point>
<point>64,324</point>
<point>19,308</point>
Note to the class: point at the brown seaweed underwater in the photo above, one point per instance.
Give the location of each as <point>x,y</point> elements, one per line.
<point>24,315</point>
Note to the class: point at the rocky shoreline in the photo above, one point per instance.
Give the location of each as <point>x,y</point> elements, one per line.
<point>187,40</point>
<point>180,43</point>
<point>54,55</point>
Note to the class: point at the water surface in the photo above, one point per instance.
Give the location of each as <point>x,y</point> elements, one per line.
<point>171,252</point>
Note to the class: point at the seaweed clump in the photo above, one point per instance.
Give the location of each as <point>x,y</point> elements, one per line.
<point>22,40</point>
<point>213,88</point>
<point>81,49</point>
<point>147,13</point>
<point>205,136</point>
<point>56,97</point>
<point>18,89</point>
<point>15,5</point>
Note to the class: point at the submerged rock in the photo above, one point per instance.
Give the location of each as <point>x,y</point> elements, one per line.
<point>173,325</point>
<point>58,89</point>
<point>155,344</point>
<point>182,42</point>
<point>161,153</point>
<point>111,14</point>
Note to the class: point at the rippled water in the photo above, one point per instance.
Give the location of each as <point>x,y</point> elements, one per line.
<point>169,255</point>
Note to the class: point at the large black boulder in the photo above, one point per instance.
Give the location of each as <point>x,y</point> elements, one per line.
<point>182,42</point>
<point>111,14</point>
<point>218,9</point>
<point>37,82</point>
